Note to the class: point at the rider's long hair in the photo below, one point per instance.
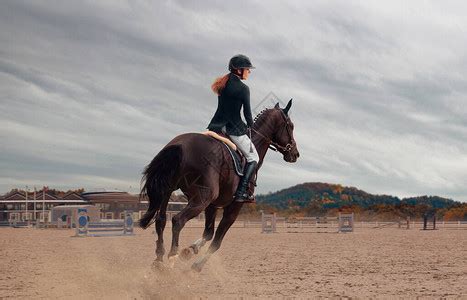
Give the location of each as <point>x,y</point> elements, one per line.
<point>219,84</point>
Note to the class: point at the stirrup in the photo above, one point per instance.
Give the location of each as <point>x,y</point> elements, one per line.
<point>243,199</point>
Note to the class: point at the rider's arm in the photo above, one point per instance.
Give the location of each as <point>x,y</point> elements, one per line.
<point>247,108</point>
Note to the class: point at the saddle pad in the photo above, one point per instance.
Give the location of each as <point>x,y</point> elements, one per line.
<point>237,160</point>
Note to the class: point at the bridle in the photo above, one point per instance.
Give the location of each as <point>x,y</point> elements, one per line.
<point>275,146</point>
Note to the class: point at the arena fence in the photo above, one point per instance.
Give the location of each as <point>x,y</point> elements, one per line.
<point>282,224</point>
<point>447,225</point>
<point>15,224</point>
<point>329,224</point>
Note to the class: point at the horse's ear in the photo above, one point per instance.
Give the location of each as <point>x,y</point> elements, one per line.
<point>277,105</point>
<point>286,109</point>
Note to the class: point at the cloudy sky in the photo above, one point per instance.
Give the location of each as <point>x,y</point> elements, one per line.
<point>89,93</point>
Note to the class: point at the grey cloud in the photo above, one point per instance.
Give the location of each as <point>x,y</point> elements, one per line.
<point>99,88</point>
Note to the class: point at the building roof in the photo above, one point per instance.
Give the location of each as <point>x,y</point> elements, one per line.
<point>46,196</point>
<point>20,196</point>
<point>102,197</point>
<point>73,196</point>
<point>15,196</point>
<point>87,197</point>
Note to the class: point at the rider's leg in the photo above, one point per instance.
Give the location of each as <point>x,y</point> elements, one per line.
<point>243,143</point>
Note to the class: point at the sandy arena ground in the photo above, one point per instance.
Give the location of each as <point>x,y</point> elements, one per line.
<point>386,263</point>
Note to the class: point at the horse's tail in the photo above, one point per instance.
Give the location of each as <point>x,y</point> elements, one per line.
<point>159,181</point>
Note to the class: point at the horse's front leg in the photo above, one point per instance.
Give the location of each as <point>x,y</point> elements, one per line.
<point>210,214</point>
<point>230,215</point>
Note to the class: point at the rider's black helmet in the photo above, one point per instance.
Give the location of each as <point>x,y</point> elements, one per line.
<point>240,61</point>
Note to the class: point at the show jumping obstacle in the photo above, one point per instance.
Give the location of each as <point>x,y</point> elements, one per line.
<point>103,228</point>
<point>406,223</point>
<point>343,223</point>
<point>268,223</point>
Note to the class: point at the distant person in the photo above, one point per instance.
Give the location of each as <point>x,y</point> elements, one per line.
<point>233,94</point>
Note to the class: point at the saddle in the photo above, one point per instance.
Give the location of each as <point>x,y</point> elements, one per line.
<point>238,159</point>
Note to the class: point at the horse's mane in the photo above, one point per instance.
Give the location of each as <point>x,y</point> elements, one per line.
<point>259,119</point>
<point>261,115</point>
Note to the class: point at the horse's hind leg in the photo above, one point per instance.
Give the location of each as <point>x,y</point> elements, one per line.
<point>161,220</point>
<point>179,221</point>
<point>228,218</point>
<point>210,214</point>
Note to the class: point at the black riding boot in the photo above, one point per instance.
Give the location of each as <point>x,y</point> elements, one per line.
<point>241,195</point>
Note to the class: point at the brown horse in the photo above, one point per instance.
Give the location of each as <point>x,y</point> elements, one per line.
<point>201,167</point>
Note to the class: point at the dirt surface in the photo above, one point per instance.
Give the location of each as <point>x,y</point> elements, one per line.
<point>48,263</point>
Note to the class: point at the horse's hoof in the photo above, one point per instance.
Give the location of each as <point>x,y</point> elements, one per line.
<point>158,265</point>
<point>197,267</point>
<point>187,253</point>
<point>172,261</point>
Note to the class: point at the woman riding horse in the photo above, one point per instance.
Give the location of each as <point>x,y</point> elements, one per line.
<point>201,167</point>
<point>232,95</point>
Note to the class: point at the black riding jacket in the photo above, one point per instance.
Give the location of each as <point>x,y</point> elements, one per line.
<point>230,101</point>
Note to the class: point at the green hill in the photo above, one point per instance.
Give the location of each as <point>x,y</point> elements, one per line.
<point>331,196</point>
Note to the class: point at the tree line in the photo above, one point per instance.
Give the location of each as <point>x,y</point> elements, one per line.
<point>320,199</point>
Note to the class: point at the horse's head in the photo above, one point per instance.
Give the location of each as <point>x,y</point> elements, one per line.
<point>282,137</point>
